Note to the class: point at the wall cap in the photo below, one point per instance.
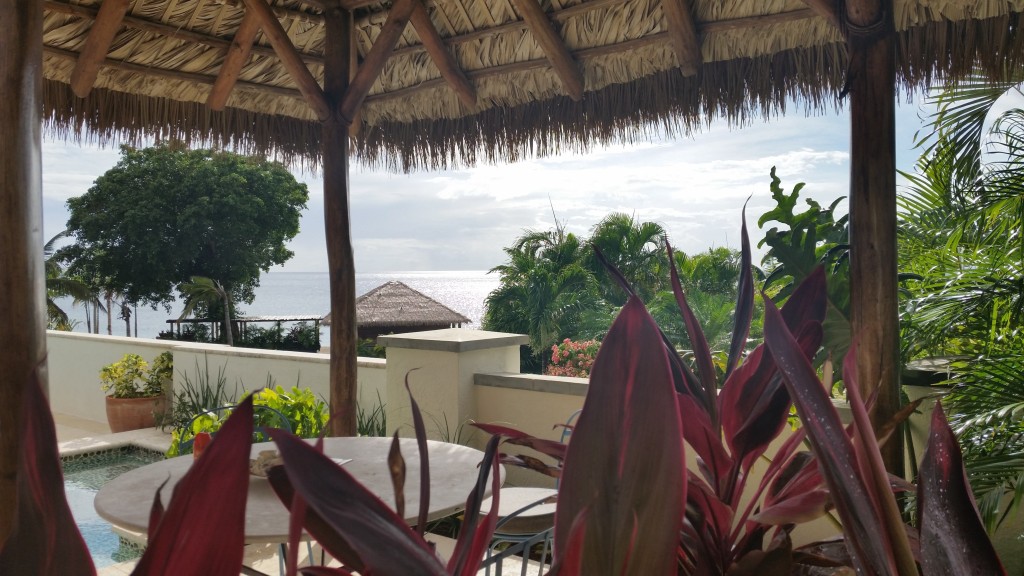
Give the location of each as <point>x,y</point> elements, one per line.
<point>535,382</point>
<point>452,340</point>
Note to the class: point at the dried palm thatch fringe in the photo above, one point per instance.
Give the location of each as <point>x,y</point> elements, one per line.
<point>107,117</point>
<point>631,94</point>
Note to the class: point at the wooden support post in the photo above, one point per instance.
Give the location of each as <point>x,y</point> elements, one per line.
<point>237,56</point>
<point>683,32</point>
<point>383,46</point>
<point>290,57</point>
<point>442,58</point>
<point>338,30</point>
<point>22,323</point>
<point>97,45</point>
<point>554,47</point>
<point>874,314</point>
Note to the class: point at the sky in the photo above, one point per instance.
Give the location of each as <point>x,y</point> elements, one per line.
<point>461,219</point>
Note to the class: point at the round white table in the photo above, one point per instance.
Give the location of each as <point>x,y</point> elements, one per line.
<point>126,500</point>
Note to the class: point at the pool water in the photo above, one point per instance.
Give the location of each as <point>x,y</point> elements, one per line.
<point>83,476</point>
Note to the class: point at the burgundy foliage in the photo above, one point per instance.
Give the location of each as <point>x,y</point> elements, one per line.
<point>203,529</point>
<point>45,540</point>
<point>627,502</point>
<point>953,538</point>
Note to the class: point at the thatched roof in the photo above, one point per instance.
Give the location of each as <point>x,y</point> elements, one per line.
<point>395,304</point>
<point>749,58</point>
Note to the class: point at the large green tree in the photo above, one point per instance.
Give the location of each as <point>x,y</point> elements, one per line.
<point>165,214</point>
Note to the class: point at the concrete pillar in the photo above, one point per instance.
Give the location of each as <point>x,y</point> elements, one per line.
<point>439,365</point>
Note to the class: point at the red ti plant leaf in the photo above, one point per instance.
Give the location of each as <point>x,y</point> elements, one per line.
<point>45,540</point>
<point>855,497</point>
<point>625,467</point>
<point>475,535</point>
<point>550,448</point>
<point>701,350</point>
<point>744,300</point>
<point>383,541</point>
<point>203,529</point>
<point>953,538</point>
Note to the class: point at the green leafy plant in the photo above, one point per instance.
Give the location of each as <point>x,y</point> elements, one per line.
<point>372,421</point>
<point>809,239</point>
<point>131,377</point>
<point>305,414</point>
<point>368,348</point>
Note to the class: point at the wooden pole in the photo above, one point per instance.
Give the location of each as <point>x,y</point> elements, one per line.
<point>874,315</point>
<point>21,232</point>
<point>340,261</point>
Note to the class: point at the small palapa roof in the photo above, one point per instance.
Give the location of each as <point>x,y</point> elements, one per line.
<point>473,80</point>
<point>396,304</point>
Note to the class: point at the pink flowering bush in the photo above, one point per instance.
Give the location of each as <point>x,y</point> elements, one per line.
<point>572,358</point>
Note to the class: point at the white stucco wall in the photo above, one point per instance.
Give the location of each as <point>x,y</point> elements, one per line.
<point>75,360</point>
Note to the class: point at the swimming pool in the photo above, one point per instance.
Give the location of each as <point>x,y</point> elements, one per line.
<point>84,474</point>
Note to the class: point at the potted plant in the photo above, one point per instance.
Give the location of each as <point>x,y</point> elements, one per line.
<point>138,394</point>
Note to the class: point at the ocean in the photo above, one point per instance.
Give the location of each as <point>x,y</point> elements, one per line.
<point>308,294</point>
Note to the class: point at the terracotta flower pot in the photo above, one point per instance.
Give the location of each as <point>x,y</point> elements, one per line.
<point>133,413</point>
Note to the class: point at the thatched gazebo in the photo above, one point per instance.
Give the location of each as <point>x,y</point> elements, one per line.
<point>395,308</point>
<point>318,81</point>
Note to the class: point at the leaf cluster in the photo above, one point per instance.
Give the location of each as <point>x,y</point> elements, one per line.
<point>164,214</point>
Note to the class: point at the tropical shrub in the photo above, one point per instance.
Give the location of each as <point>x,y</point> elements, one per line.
<point>306,414</point>
<point>809,239</point>
<point>573,359</point>
<point>131,376</point>
<point>961,220</point>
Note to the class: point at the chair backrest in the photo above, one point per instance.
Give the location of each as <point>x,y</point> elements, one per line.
<point>569,424</point>
<point>523,551</point>
<point>265,418</point>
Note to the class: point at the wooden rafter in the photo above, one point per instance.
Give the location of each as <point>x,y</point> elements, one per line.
<point>683,32</point>
<point>826,9</point>
<point>175,32</point>
<point>176,74</point>
<point>97,45</point>
<point>553,46</point>
<point>442,58</point>
<point>237,56</point>
<point>375,59</point>
<point>290,57</point>
<point>749,23</point>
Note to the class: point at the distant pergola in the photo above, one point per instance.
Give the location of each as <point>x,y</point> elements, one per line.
<point>318,81</point>
<point>244,321</point>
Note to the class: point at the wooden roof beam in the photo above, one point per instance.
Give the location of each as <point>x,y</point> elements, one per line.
<point>165,30</point>
<point>375,59</point>
<point>827,9</point>
<point>442,58</point>
<point>683,32</point>
<point>237,56</point>
<point>290,57</point>
<point>97,45</point>
<point>554,47</point>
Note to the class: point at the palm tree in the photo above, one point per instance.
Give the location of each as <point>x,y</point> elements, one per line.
<point>58,285</point>
<point>636,248</point>
<point>544,289</point>
<point>962,232</point>
<point>203,290</point>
